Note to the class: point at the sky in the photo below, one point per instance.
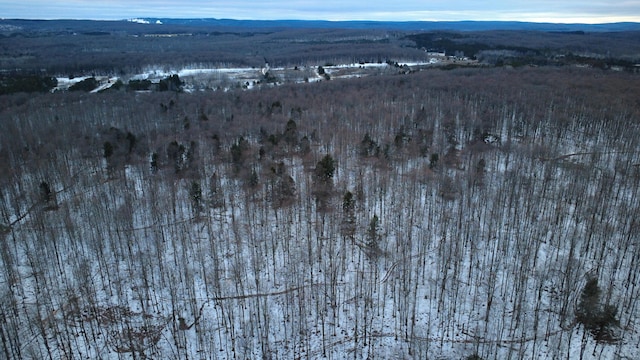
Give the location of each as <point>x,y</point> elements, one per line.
<point>556,11</point>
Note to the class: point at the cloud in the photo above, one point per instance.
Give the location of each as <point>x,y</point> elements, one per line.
<point>533,10</point>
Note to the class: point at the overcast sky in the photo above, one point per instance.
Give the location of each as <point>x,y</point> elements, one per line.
<point>566,11</point>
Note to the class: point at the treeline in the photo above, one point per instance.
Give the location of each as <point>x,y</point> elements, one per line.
<point>132,48</point>
<point>131,52</point>
<point>15,83</point>
<point>542,48</point>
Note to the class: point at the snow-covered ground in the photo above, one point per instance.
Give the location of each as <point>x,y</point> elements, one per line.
<point>198,78</point>
<point>453,278</point>
<point>65,82</point>
<point>105,84</point>
<point>126,266</point>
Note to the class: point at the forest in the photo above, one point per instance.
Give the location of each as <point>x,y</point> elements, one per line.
<point>484,212</point>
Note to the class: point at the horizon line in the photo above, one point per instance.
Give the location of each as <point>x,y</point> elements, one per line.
<point>132,19</point>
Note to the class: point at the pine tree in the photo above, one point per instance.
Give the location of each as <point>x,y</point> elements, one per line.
<point>348,215</point>
<point>47,197</point>
<point>284,191</point>
<point>324,181</point>
<point>368,147</point>
<point>290,134</point>
<point>598,319</point>
<point>433,160</point>
<point>589,307</point>
<point>45,192</point>
<point>154,162</point>
<point>195,193</point>
<point>305,145</point>
<point>373,236</point>
<point>325,170</point>
<point>107,149</point>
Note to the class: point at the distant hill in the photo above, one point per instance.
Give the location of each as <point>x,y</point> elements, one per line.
<point>407,25</point>
<point>123,25</point>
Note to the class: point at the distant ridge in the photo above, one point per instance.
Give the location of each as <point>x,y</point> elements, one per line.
<point>324,24</point>
<point>406,25</point>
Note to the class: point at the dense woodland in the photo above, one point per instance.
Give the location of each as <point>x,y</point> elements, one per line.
<point>121,48</point>
<point>472,213</point>
<point>446,212</point>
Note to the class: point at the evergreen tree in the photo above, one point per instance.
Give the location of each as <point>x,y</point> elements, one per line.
<point>47,196</point>
<point>131,139</point>
<point>368,147</point>
<point>154,162</point>
<point>107,149</point>
<point>86,85</point>
<point>195,193</point>
<point>433,160</point>
<point>305,145</point>
<point>171,83</point>
<point>373,235</point>
<point>589,306</point>
<point>139,85</point>
<point>45,192</point>
<point>325,170</point>
<point>598,319</point>
<point>14,83</point>
<point>284,191</point>
<point>290,134</point>
<point>348,215</point>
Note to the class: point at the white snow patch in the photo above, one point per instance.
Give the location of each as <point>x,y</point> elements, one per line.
<point>139,21</point>
<point>105,85</point>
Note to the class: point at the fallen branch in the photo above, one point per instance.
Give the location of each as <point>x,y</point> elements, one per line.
<point>562,157</point>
